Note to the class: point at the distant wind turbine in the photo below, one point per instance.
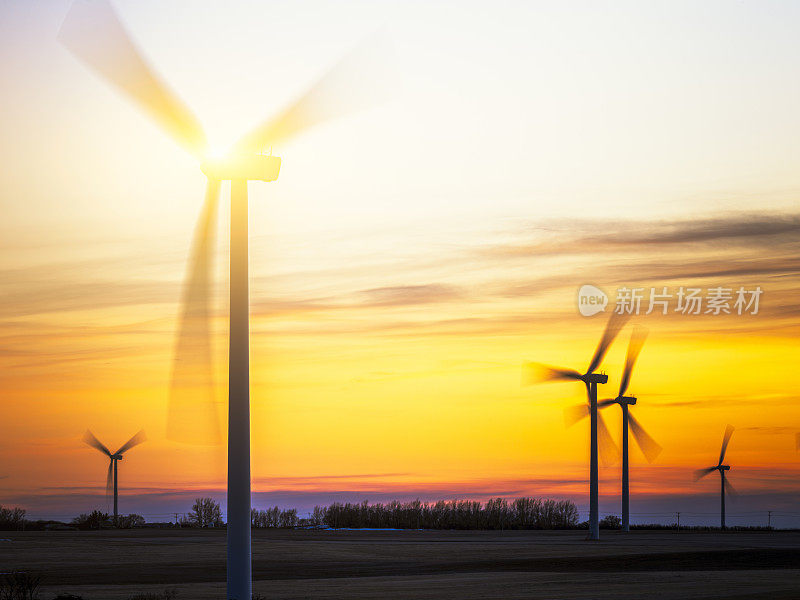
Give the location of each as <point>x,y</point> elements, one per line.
<point>112,479</point>
<point>94,34</point>
<point>647,444</point>
<point>537,372</point>
<point>725,485</point>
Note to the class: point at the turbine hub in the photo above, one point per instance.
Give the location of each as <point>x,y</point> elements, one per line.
<point>116,456</point>
<point>595,378</point>
<point>724,468</point>
<point>627,399</point>
<point>253,167</point>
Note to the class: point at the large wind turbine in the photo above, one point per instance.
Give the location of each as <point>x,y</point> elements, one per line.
<point>94,34</point>
<point>647,444</point>
<point>112,480</point>
<point>724,485</point>
<point>535,371</point>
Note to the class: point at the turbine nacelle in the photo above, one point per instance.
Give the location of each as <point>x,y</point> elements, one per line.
<point>250,167</point>
<point>723,467</point>
<point>595,378</point>
<point>626,400</point>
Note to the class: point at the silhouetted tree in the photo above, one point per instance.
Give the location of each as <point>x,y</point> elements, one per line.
<point>11,519</point>
<point>130,521</point>
<point>94,520</point>
<point>205,513</point>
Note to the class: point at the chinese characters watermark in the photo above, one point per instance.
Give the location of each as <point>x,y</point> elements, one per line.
<point>664,300</point>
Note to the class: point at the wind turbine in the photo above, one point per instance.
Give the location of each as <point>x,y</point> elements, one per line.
<point>94,34</point>
<point>725,485</point>
<point>112,480</point>
<point>647,444</point>
<point>590,380</point>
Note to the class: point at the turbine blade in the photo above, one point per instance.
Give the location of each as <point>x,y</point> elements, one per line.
<point>93,33</point>
<point>192,414</point>
<point>609,452</point>
<point>725,439</point>
<point>90,440</point>
<point>700,473</point>
<point>134,441</point>
<point>615,322</point>
<point>646,443</point>
<point>358,81</point>
<point>729,489</point>
<point>537,373</point>
<point>110,479</point>
<point>605,403</point>
<point>638,336</point>
<point>573,414</point>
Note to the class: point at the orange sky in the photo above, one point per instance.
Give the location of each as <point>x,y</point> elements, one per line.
<point>409,259</point>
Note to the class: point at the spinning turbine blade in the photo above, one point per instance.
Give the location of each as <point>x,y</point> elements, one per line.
<point>94,34</point>
<point>615,322</point>
<point>606,402</point>
<point>700,473</point>
<point>358,81</point>
<point>647,444</point>
<point>638,336</point>
<point>134,441</point>
<point>725,439</point>
<point>110,479</point>
<point>537,372</point>
<point>609,453</point>
<point>573,414</point>
<point>192,414</point>
<point>729,489</point>
<point>89,439</point>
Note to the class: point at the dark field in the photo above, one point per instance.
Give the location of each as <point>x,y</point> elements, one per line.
<point>416,564</point>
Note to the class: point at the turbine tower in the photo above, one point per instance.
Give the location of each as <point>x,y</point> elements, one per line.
<point>94,34</point>
<point>112,480</point>
<point>724,485</point>
<point>536,372</point>
<point>646,443</point>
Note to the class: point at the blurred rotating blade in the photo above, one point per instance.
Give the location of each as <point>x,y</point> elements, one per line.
<point>700,473</point>
<point>90,440</point>
<point>606,402</point>
<point>615,322</point>
<point>192,416</point>
<point>537,373</point>
<point>638,336</point>
<point>134,441</point>
<point>609,453</point>
<point>646,443</point>
<point>725,440</point>
<point>110,479</point>
<point>573,414</point>
<point>729,489</point>
<point>358,81</point>
<point>94,34</point>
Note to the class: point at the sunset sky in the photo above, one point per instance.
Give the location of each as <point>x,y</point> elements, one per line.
<point>410,258</point>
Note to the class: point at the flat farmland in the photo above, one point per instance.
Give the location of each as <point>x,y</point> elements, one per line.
<point>111,565</point>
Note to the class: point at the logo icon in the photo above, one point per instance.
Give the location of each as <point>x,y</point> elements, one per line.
<point>591,300</point>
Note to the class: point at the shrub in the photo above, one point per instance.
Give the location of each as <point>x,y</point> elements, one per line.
<point>610,522</point>
<point>168,594</point>
<point>20,585</point>
<point>94,520</point>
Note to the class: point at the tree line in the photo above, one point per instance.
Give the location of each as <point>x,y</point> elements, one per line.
<point>497,513</point>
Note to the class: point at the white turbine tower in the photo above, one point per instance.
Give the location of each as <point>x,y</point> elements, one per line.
<point>537,372</point>
<point>95,35</point>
